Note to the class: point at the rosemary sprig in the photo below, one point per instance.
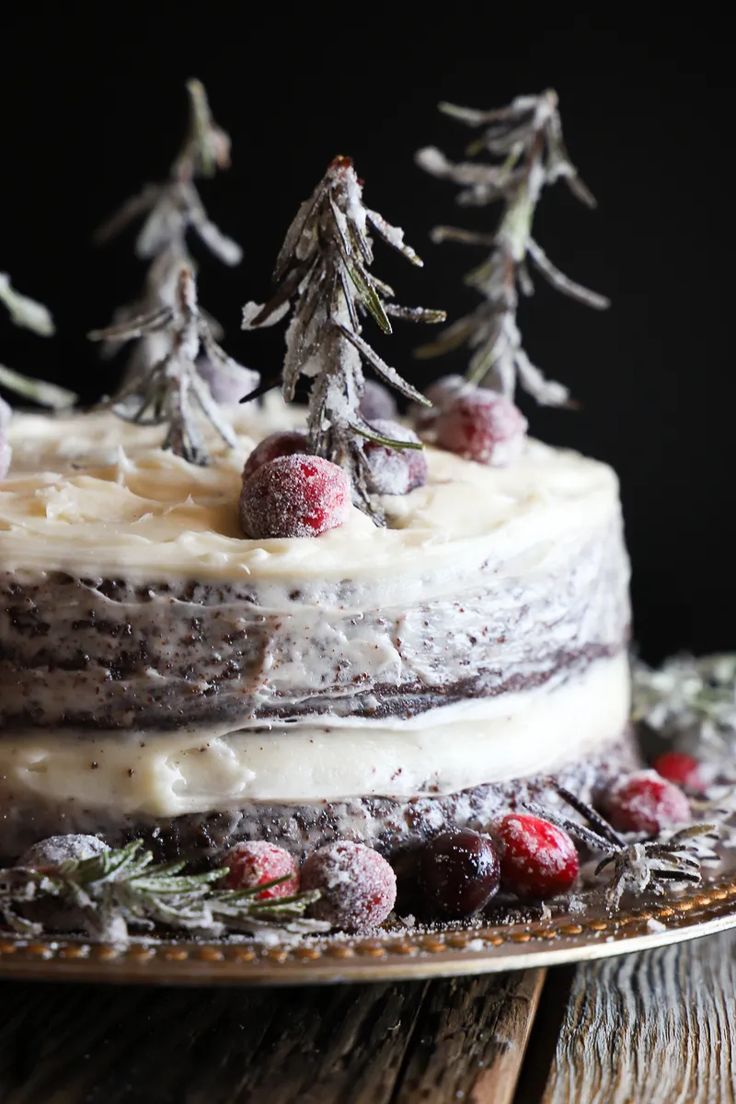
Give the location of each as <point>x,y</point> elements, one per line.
<point>172,392</point>
<point>170,210</point>
<point>34,316</point>
<point>692,703</point>
<point>123,888</point>
<point>526,152</point>
<point>324,271</point>
<point>637,865</point>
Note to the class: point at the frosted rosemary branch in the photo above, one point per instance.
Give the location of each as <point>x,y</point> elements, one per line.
<point>526,152</point>
<point>107,893</point>
<point>692,702</point>
<point>30,315</point>
<point>173,392</point>
<point>323,271</point>
<point>170,210</point>
<point>639,864</point>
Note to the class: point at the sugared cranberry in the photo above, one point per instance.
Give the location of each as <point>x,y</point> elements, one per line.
<point>228,382</point>
<point>377,402</point>
<point>538,859</point>
<point>482,425</point>
<point>440,394</point>
<point>646,802</point>
<point>357,886</point>
<point>273,446</point>
<point>5,450</point>
<point>5,454</point>
<point>294,496</point>
<point>395,471</point>
<point>253,863</point>
<point>52,852</point>
<point>682,769</point>
<point>459,872</point>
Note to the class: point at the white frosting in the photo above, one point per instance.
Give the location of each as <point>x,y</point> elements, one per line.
<point>107,501</point>
<point>196,770</point>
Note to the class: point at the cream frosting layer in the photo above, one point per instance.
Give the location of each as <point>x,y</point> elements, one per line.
<point>91,495</point>
<point>206,769</point>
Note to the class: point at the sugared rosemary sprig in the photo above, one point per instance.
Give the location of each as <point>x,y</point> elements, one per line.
<point>172,392</point>
<point>638,865</point>
<point>526,153</point>
<point>109,893</point>
<point>34,316</point>
<point>170,210</point>
<point>324,271</point>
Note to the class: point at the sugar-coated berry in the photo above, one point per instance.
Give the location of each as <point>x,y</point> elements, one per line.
<point>52,852</point>
<point>272,447</point>
<point>394,471</point>
<point>459,872</point>
<point>294,496</point>
<point>228,382</point>
<point>538,859</point>
<point>646,802</point>
<point>440,394</point>
<point>357,886</point>
<point>482,425</point>
<point>5,454</point>
<point>680,768</point>
<point>251,864</point>
<point>377,402</point>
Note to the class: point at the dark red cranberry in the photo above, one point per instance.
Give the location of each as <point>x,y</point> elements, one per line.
<point>357,886</point>
<point>482,425</point>
<point>538,859</point>
<point>395,471</point>
<point>273,446</point>
<point>680,768</point>
<point>459,872</point>
<point>252,863</point>
<point>646,802</point>
<point>294,496</point>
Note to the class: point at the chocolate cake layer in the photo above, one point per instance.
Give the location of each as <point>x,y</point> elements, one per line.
<point>389,825</point>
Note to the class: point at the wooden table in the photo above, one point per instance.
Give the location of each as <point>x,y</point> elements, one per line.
<point>643,1029</point>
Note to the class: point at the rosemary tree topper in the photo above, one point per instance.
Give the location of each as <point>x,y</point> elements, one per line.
<point>173,392</point>
<point>34,316</point>
<point>526,152</point>
<point>324,272</point>
<point>169,211</point>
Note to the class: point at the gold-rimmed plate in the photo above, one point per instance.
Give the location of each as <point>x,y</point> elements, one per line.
<point>396,954</point>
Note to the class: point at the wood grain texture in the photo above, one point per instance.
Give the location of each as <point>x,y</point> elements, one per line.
<point>653,1028</point>
<point>428,1041</point>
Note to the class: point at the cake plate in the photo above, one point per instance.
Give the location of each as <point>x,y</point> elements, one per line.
<point>397,954</point>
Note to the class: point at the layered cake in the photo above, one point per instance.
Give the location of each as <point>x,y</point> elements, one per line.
<point>161,675</point>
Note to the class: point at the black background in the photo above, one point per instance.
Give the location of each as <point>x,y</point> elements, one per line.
<point>93,106</point>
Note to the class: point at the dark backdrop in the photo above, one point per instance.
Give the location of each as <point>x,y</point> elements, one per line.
<point>93,106</point>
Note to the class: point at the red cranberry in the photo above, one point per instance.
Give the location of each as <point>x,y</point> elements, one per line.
<point>459,872</point>
<point>395,471</point>
<point>482,425</point>
<point>273,446</point>
<point>377,402</point>
<point>645,802</point>
<point>357,886</point>
<point>294,496</point>
<point>538,859</point>
<point>253,863</point>
<point>680,768</point>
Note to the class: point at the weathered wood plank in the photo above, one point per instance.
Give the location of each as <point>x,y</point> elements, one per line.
<point>365,1044</point>
<point>470,1039</point>
<point>653,1028</point>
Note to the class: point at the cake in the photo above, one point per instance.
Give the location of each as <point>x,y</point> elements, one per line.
<point>163,676</point>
